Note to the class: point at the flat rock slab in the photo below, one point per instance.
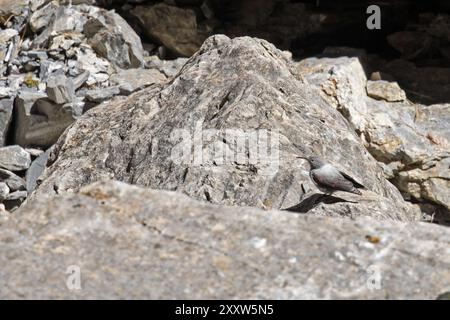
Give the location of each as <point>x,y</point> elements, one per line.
<point>14,158</point>
<point>136,243</point>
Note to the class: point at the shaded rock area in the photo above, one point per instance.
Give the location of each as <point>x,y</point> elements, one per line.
<point>242,93</point>
<point>384,90</point>
<point>131,242</point>
<point>175,27</point>
<point>414,48</point>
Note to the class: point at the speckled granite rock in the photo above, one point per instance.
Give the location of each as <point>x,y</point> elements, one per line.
<point>135,243</point>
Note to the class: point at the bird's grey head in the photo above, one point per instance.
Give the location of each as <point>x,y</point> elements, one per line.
<point>316,162</point>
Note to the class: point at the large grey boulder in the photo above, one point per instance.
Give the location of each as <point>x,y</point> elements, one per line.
<point>411,139</point>
<point>227,130</point>
<point>122,241</point>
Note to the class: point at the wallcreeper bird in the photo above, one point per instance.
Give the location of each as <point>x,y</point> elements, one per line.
<point>330,179</point>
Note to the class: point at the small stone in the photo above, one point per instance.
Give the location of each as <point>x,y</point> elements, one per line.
<point>4,191</point>
<point>7,34</point>
<point>13,181</point>
<point>37,54</point>
<point>389,91</point>
<point>80,79</point>
<point>60,89</point>
<point>99,95</point>
<point>14,158</point>
<point>26,44</point>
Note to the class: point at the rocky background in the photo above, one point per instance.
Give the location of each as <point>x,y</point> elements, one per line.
<point>92,92</point>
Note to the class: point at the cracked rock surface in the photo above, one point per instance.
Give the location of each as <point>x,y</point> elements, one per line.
<point>132,242</point>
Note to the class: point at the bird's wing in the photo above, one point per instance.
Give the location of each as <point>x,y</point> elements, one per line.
<point>335,181</point>
<point>355,183</point>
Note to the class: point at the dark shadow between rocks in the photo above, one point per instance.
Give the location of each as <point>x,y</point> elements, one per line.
<point>314,200</point>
